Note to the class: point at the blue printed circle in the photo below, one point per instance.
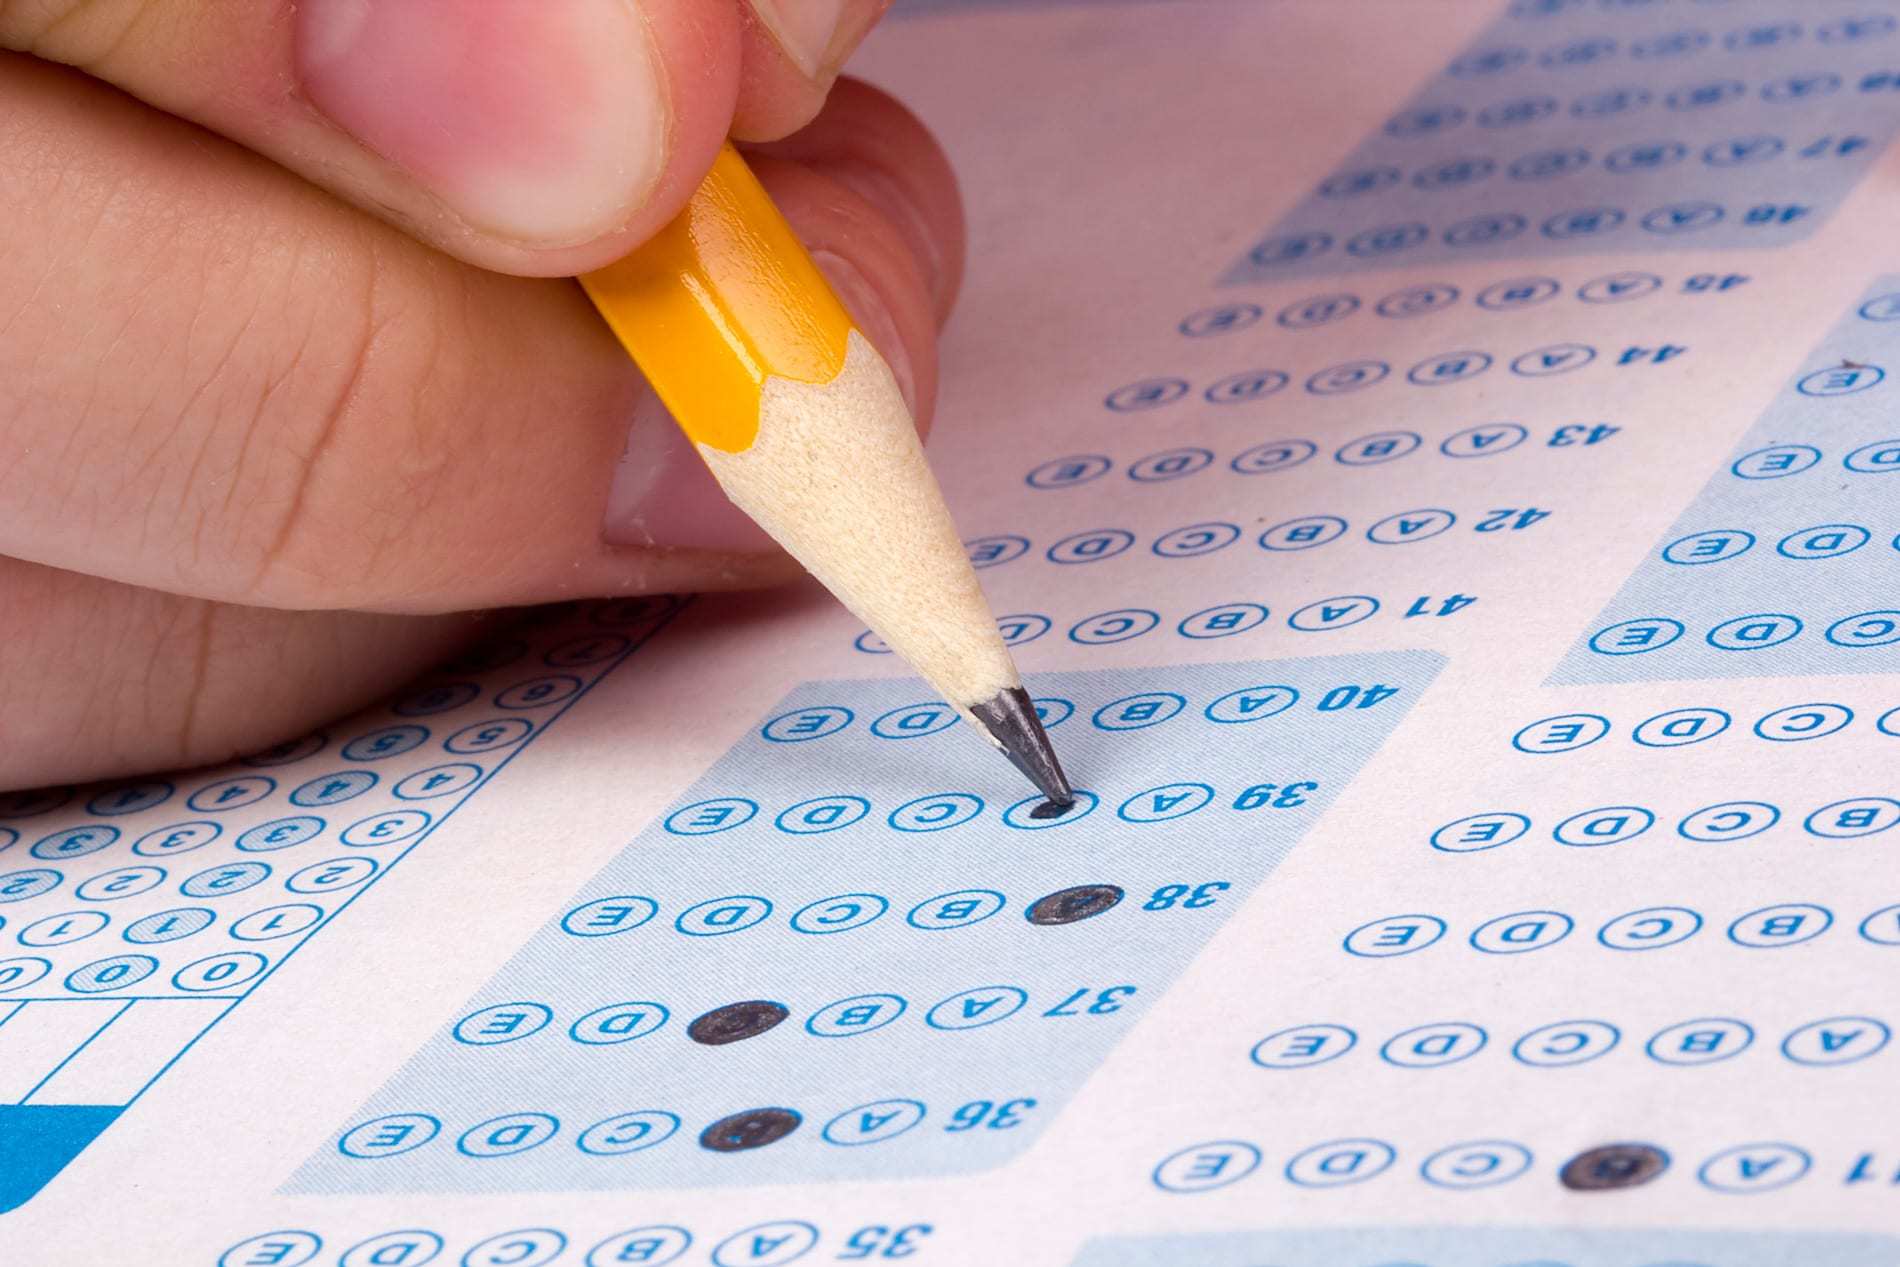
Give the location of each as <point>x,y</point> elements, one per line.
<point>1169,464</point>
<point>1092,546</point>
<point>280,833</point>
<point>271,922</point>
<point>1223,319</point>
<point>618,1023</point>
<point>1728,820</point>
<point>223,881</point>
<point>74,842</point>
<point>1452,172</point>
<point>288,1247</point>
<point>1618,288</point>
<point>839,914</point>
<point>1566,1043</point>
<point>1477,832</point>
<point>1337,612</point>
<point>63,929</point>
<point>1558,358</point>
<point>1347,376</point>
<point>1521,932</point>
<point>1020,815</point>
<point>606,916</point>
<point>1840,380</point>
<point>1135,712</point>
<point>704,818</point>
<point>1195,540</point>
<point>333,789</point>
<point>1799,722</point>
<point>229,794</point>
<point>331,876</point>
<point>102,975</point>
<point>1482,1163</point>
<point>1635,637</point>
<point>1680,726</point>
<point>1486,230</point>
<point>1386,239</point>
<point>435,699</point>
<point>1683,217</point>
<point>1290,248</point>
<point>1775,462</point>
<point>1607,825</point>
<point>1882,457</point>
<point>1434,1046</point>
<point>1448,367</point>
<point>1318,310</point>
<point>1274,455</point>
<point>441,780</point>
<point>1669,44</point>
<point>1052,711</point>
<point>21,971</point>
<point>1516,112</point>
<point>1711,545</point>
<point>1245,387</point>
<point>1583,222</point>
<point>1204,1167</point>
<point>938,812</point>
<point>1705,96</point>
<point>163,926</point>
<point>1304,533</point>
<point>802,724</point>
<point>1410,525</point>
<point>1785,924</point>
<point>1416,301</point>
<point>1651,928</point>
<point>1483,441</point>
<point>994,551</point>
<point>914,721</point>
<point>1120,625</point>
<point>629,1133</point>
<point>507,1135</point>
<point>1754,632</point>
<point>973,1009</point>
<point>409,1246</point>
<point>1700,1042</point>
<point>220,972</point>
<point>1565,732</point>
<point>822,814</point>
<point>872,1123</point>
<point>107,886</point>
<point>1169,801</point>
<point>1148,393</point>
<point>719,916</point>
<point>958,909</point>
<point>1866,629</point>
<point>389,1135</point>
<point>1338,1163</point>
<point>1838,1040</point>
<point>1856,816</point>
<point>1393,935</point>
<point>1645,156</point>
<point>488,736</point>
<point>1740,151</point>
<point>502,1023</point>
<point>1069,471</point>
<point>1223,621</point>
<point>391,741</point>
<point>1303,1046</point>
<point>1021,627</point>
<point>1358,181</point>
<point>539,692</point>
<point>523,1247</point>
<point>132,798</point>
<point>1252,703</point>
<point>1549,164</point>
<point>1380,446</point>
<point>385,828</point>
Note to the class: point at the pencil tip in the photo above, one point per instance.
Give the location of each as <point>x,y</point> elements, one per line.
<point>1010,718</point>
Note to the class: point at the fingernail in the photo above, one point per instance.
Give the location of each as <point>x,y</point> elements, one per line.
<point>542,123</point>
<point>867,309</point>
<point>662,495</point>
<point>818,35</point>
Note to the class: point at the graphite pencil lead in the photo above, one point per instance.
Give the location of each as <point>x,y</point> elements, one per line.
<point>1010,718</point>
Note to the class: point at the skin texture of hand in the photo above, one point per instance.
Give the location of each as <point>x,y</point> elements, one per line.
<point>294,384</point>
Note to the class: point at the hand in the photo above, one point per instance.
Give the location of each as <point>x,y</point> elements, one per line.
<point>274,415</point>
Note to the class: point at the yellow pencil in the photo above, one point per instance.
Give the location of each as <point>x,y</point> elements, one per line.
<point>804,427</point>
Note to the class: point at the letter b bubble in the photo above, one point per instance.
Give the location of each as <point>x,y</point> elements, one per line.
<point>1772,927</point>
<point>1700,1042</point>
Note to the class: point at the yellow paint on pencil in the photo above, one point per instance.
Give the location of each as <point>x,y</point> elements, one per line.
<point>721,299</point>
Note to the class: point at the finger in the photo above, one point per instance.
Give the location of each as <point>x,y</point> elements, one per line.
<point>527,136</point>
<point>868,141</point>
<point>791,51</point>
<point>104,679</point>
<point>217,381</point>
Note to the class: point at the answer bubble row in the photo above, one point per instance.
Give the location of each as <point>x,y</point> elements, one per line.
<point>1648,928</point>
<point>1681,727</point>
<point>1719,823</point>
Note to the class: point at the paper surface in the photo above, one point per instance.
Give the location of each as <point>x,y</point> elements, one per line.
<point>1432,461</point>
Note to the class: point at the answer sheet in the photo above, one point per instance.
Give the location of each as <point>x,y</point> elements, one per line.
<point>1438,465</point>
